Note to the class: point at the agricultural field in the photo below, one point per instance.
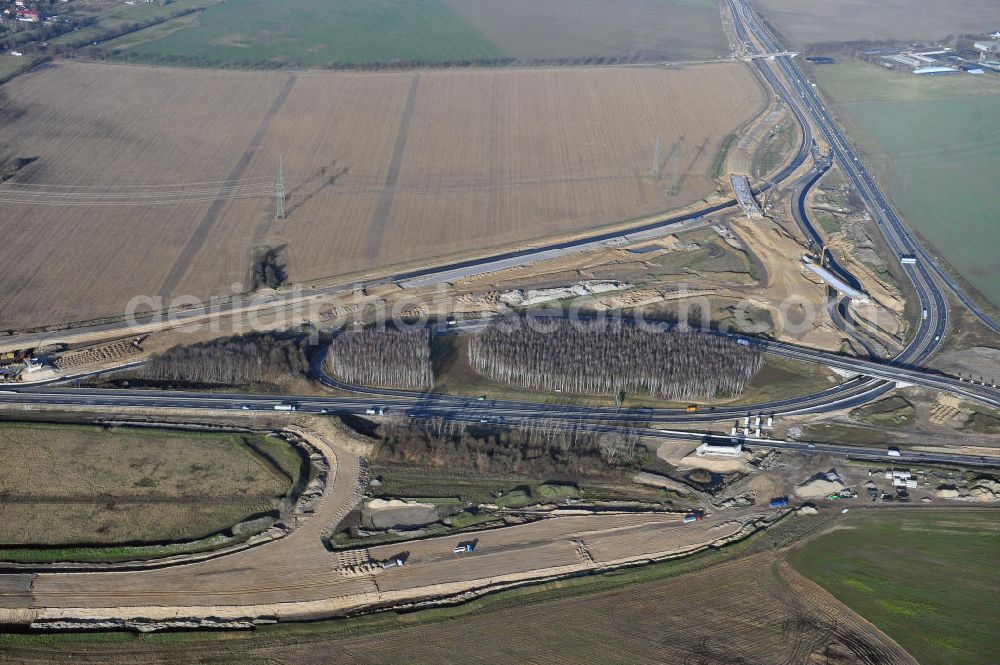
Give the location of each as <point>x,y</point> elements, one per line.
<point>321,33</point>
<point>318,33</point>
<point>806,23</point>
<point>160,181</point>
<point>646,29</point>
<point>936,147</point>
<point>10,65</point>
<point>928,579</point>
<point>692,610</point>
<point>94,487</point>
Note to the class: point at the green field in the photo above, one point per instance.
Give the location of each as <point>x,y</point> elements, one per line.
<point>323,33</point>
<point>124,17</point>
<point>81,492</point>
<point>930,580</point>
<point>10,64</point>
<point>555,29</point>
<point>312,33</point>
<point>935,144</point>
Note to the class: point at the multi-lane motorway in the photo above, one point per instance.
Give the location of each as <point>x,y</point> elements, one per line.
<point>875,378</point>
<point>646,423</point>
<point>749,26</point>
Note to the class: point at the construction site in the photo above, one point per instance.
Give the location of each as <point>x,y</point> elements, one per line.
<point>389,353</point>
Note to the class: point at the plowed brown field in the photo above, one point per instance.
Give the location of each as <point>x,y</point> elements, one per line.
<point>160,181</point>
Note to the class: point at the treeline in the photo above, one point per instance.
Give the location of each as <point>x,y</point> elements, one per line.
<point>180,60</point>
<point>255,359</point>
<point>609,358</point>
<point>383,358</point>
<point>556,452</point>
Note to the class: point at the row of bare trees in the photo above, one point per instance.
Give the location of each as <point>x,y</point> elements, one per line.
<point>603,358</point>
<point>555,451</point>
<point>256,359</point>
<point>400,359</point>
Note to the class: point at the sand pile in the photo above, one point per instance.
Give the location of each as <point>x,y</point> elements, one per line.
<point>820,485</point>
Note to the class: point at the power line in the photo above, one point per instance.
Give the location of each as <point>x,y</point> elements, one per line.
<point>675,167</point>
<point>279,192</point>
<point>655,171</point>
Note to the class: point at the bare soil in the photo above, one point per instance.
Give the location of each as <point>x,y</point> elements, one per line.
<point>161,181</point>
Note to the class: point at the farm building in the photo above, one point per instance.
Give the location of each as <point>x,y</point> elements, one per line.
<point>935,71</point>
<point>987,47</point>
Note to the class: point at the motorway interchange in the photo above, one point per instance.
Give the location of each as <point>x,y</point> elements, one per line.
<point>274,584</point>
<point>874,378</point>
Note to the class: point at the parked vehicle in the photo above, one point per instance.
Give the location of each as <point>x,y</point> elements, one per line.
<point>393,563</point>
<point>693,517</point>
<point>464,548</point>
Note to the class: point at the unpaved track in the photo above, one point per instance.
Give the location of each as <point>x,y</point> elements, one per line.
<point>295,577</point>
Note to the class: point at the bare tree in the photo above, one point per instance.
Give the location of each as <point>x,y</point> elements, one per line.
<point>383,358</point>
<point>553,449</point>
<point>247,360</point>
<point>600,358</point>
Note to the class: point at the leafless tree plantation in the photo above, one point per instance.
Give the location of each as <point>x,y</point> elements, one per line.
<point>249,360</point>
<point>553,450</point>
<point>599,358</point>
<point>383,358</point>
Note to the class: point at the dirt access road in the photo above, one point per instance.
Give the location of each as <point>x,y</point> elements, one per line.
<point>296,578</point>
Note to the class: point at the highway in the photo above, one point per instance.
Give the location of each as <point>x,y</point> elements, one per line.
<point>639,422</point>
<point>985,394</point>
<point>899,238</point>
<point>875,379</point>
<point>933,322</point>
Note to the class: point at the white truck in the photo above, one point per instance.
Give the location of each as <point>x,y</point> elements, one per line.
<point>893,452</point>
<point>394,562</point>
<point>380,411</point>
<point>286,406</point>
